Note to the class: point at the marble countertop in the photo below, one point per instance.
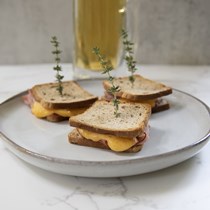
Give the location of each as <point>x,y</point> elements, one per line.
<point>182,187</point>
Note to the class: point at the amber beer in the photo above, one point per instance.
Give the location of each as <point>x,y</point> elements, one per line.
<point>97,23</point>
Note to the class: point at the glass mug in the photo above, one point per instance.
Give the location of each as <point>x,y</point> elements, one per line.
<point>97,23</point>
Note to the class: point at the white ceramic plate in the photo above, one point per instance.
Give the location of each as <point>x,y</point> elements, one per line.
<point>175,135</point>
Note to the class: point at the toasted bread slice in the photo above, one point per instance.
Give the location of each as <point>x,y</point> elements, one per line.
<point>142,89</point>
<point>75,138</point>
<point>56,118</point>
<point>100,118</point>
<point>160,105</point>
<point>74,96</point>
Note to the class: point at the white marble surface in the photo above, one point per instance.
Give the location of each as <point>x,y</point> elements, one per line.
<point>183,187</point>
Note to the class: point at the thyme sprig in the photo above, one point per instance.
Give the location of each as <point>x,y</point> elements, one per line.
<point>57,66</point>
<point>107,68</point>
<point>131,63</point>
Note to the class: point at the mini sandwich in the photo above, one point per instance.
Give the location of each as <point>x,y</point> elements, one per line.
<point>99,127</point>
<point>143,91</point>
<point>46,102</point>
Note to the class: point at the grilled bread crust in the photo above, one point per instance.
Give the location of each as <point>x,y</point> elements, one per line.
<point>56,118</point>
<point>161,105</point>
<point>142,89</point>
<point>74,96</point>
<point>100,118</point>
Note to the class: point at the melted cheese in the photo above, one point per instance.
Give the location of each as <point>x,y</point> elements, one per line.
<point>39,111</point>
<point>150,102</point>
<point>115,143</point>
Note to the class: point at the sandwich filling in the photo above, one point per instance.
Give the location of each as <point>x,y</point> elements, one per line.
<point>143,91</point>
<point>156,103</point>
<point>41,112</point>
<point>115,143</point>
<point>151,102</point>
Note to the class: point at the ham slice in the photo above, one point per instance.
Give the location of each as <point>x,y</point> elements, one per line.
<point>140,140</point>
<point>28,99</point>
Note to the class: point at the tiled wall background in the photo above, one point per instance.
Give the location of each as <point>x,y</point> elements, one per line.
<point>165,31</point>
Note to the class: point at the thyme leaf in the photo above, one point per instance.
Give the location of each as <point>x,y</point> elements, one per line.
<point>57,66</point>
<point>131,63</point>
<point>107,68</point>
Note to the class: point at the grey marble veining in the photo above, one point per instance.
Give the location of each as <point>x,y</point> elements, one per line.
<point>101,194</point>
<point>93,192</point>
<point>146,191</point>
<point>164,31</point>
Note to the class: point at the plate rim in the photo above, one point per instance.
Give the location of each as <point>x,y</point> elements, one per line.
<point>99,162</point>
